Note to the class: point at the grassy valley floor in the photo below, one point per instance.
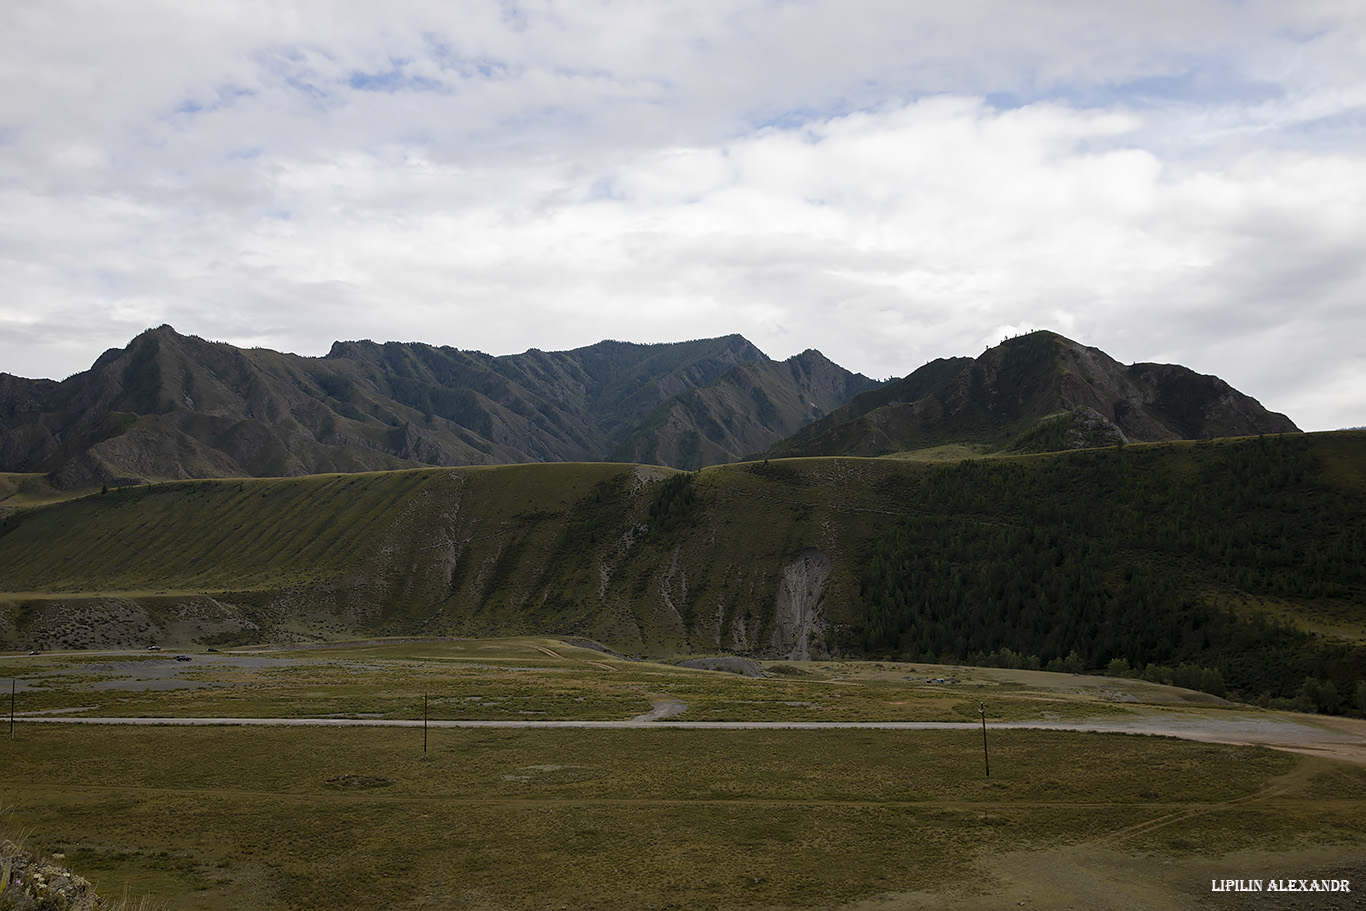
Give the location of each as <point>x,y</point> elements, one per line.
<point>655,816</point>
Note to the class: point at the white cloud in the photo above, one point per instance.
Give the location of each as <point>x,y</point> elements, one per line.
<point>1175,181</point>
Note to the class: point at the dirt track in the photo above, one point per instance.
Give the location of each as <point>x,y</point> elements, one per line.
<point>1336,738</point>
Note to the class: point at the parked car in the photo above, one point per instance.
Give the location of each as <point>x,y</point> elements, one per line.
<point>153,648</point>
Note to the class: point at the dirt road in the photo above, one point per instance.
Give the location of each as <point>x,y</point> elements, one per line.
<point>1337,738</point>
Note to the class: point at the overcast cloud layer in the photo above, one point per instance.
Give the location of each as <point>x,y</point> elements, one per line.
<point>889,182</point>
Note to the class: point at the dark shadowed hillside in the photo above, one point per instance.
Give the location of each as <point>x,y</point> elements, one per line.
<point>1036,393</point>
<point>171,406</point>
<point>740,412</point>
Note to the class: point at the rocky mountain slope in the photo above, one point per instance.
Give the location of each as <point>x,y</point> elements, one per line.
<point>171,406</point>
<point>1034,393</point>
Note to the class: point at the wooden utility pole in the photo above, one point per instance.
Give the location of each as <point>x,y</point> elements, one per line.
<point>12,685</point>
<point>424,725</point>
<point>986,759</point>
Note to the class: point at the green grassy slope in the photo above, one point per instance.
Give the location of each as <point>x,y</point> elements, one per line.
<point>18,490</point>
<point>1215,556</point>
<point>205,536</point>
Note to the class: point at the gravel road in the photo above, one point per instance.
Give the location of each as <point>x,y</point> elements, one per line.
<point>1346,740</point>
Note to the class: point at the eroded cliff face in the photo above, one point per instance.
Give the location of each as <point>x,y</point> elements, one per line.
<point>799,619</point>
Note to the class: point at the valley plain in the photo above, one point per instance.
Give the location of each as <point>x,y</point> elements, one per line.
<point>651,813</point>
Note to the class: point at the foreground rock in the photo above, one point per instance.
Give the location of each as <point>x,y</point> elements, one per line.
<point>31,882</point>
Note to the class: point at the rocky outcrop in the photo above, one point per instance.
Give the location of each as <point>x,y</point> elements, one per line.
<point>29,882</point>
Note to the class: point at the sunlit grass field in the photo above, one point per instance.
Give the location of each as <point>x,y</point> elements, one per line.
<point>527,818</point>
<point>544,679</point>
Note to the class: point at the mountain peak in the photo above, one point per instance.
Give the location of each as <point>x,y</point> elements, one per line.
<point>1032,392</point>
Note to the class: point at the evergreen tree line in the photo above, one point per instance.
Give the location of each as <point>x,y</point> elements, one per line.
<point>673,505</point>
<point>1128,560</point>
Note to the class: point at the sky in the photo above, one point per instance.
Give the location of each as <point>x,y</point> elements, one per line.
<point>1176,181</point>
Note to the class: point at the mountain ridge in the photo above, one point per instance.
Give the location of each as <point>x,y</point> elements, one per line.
<point>170,406</point>
<point>1036,392</point>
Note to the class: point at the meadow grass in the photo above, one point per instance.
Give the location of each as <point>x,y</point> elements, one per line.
<point>607,819</point>
<point>23,490</point>
<point>520,678</point>
<point>278,817</point>
<point>949,452</point>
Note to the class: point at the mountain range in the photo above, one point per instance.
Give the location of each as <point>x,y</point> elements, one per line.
<point>170,406</point>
